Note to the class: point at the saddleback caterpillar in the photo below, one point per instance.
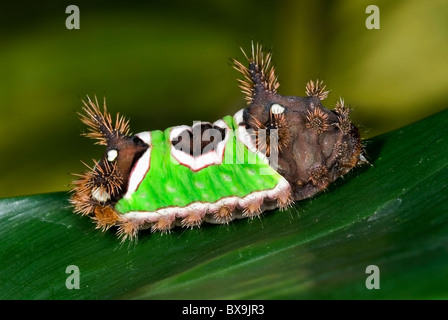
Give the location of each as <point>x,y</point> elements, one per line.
<point>277,150</point>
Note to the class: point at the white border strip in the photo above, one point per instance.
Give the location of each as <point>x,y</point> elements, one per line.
<point>204,160</point>
<point>141,167</point>
<point>143,217</point>
<point>245,137</point>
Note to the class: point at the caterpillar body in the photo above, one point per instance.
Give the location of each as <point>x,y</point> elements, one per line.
<point>277,150</point>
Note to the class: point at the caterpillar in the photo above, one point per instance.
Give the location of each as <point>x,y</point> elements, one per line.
<point>277,150</point>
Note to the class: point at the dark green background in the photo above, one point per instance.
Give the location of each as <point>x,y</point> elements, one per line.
<point>164,63</point>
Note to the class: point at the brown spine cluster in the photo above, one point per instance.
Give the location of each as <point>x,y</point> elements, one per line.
<point>259,75</point>
<point>104,178</point>
<point>271,135</point>
<point>100,124</point>
<point>316,89</point>
<point>315,145</point>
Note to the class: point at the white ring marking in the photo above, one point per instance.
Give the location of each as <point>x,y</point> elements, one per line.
<point>112,155</point>
<point>277,109</point>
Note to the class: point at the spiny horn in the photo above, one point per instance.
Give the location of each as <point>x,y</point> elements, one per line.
<point>259,76</point>
<point>100,122</point>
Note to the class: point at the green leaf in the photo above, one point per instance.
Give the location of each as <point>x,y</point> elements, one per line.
<point>393,214</point>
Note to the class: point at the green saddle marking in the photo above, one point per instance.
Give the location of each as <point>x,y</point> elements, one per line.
<point>168,183</point>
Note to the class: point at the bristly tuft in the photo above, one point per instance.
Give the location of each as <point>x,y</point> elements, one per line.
<point>272,136</point>
<point>317,120</point>
<point>259,76</point>
<point>107,176</point>
<point>319,176</point>
<point>100,123</point>
<point>105,217</point>
<point>224,214</point>
<point>127,230</point>
<point>341,108</point>
<point>192,220</point>
<point>81,199</point>
<point>316,89</point>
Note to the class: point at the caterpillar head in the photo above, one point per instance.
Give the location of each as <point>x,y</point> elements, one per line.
<point>313,145</point>
<point>101,186</point>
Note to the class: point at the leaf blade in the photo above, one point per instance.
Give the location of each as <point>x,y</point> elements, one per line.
<point>392,214</point>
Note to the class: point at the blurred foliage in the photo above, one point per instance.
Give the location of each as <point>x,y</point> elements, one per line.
<point>164,63</point>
